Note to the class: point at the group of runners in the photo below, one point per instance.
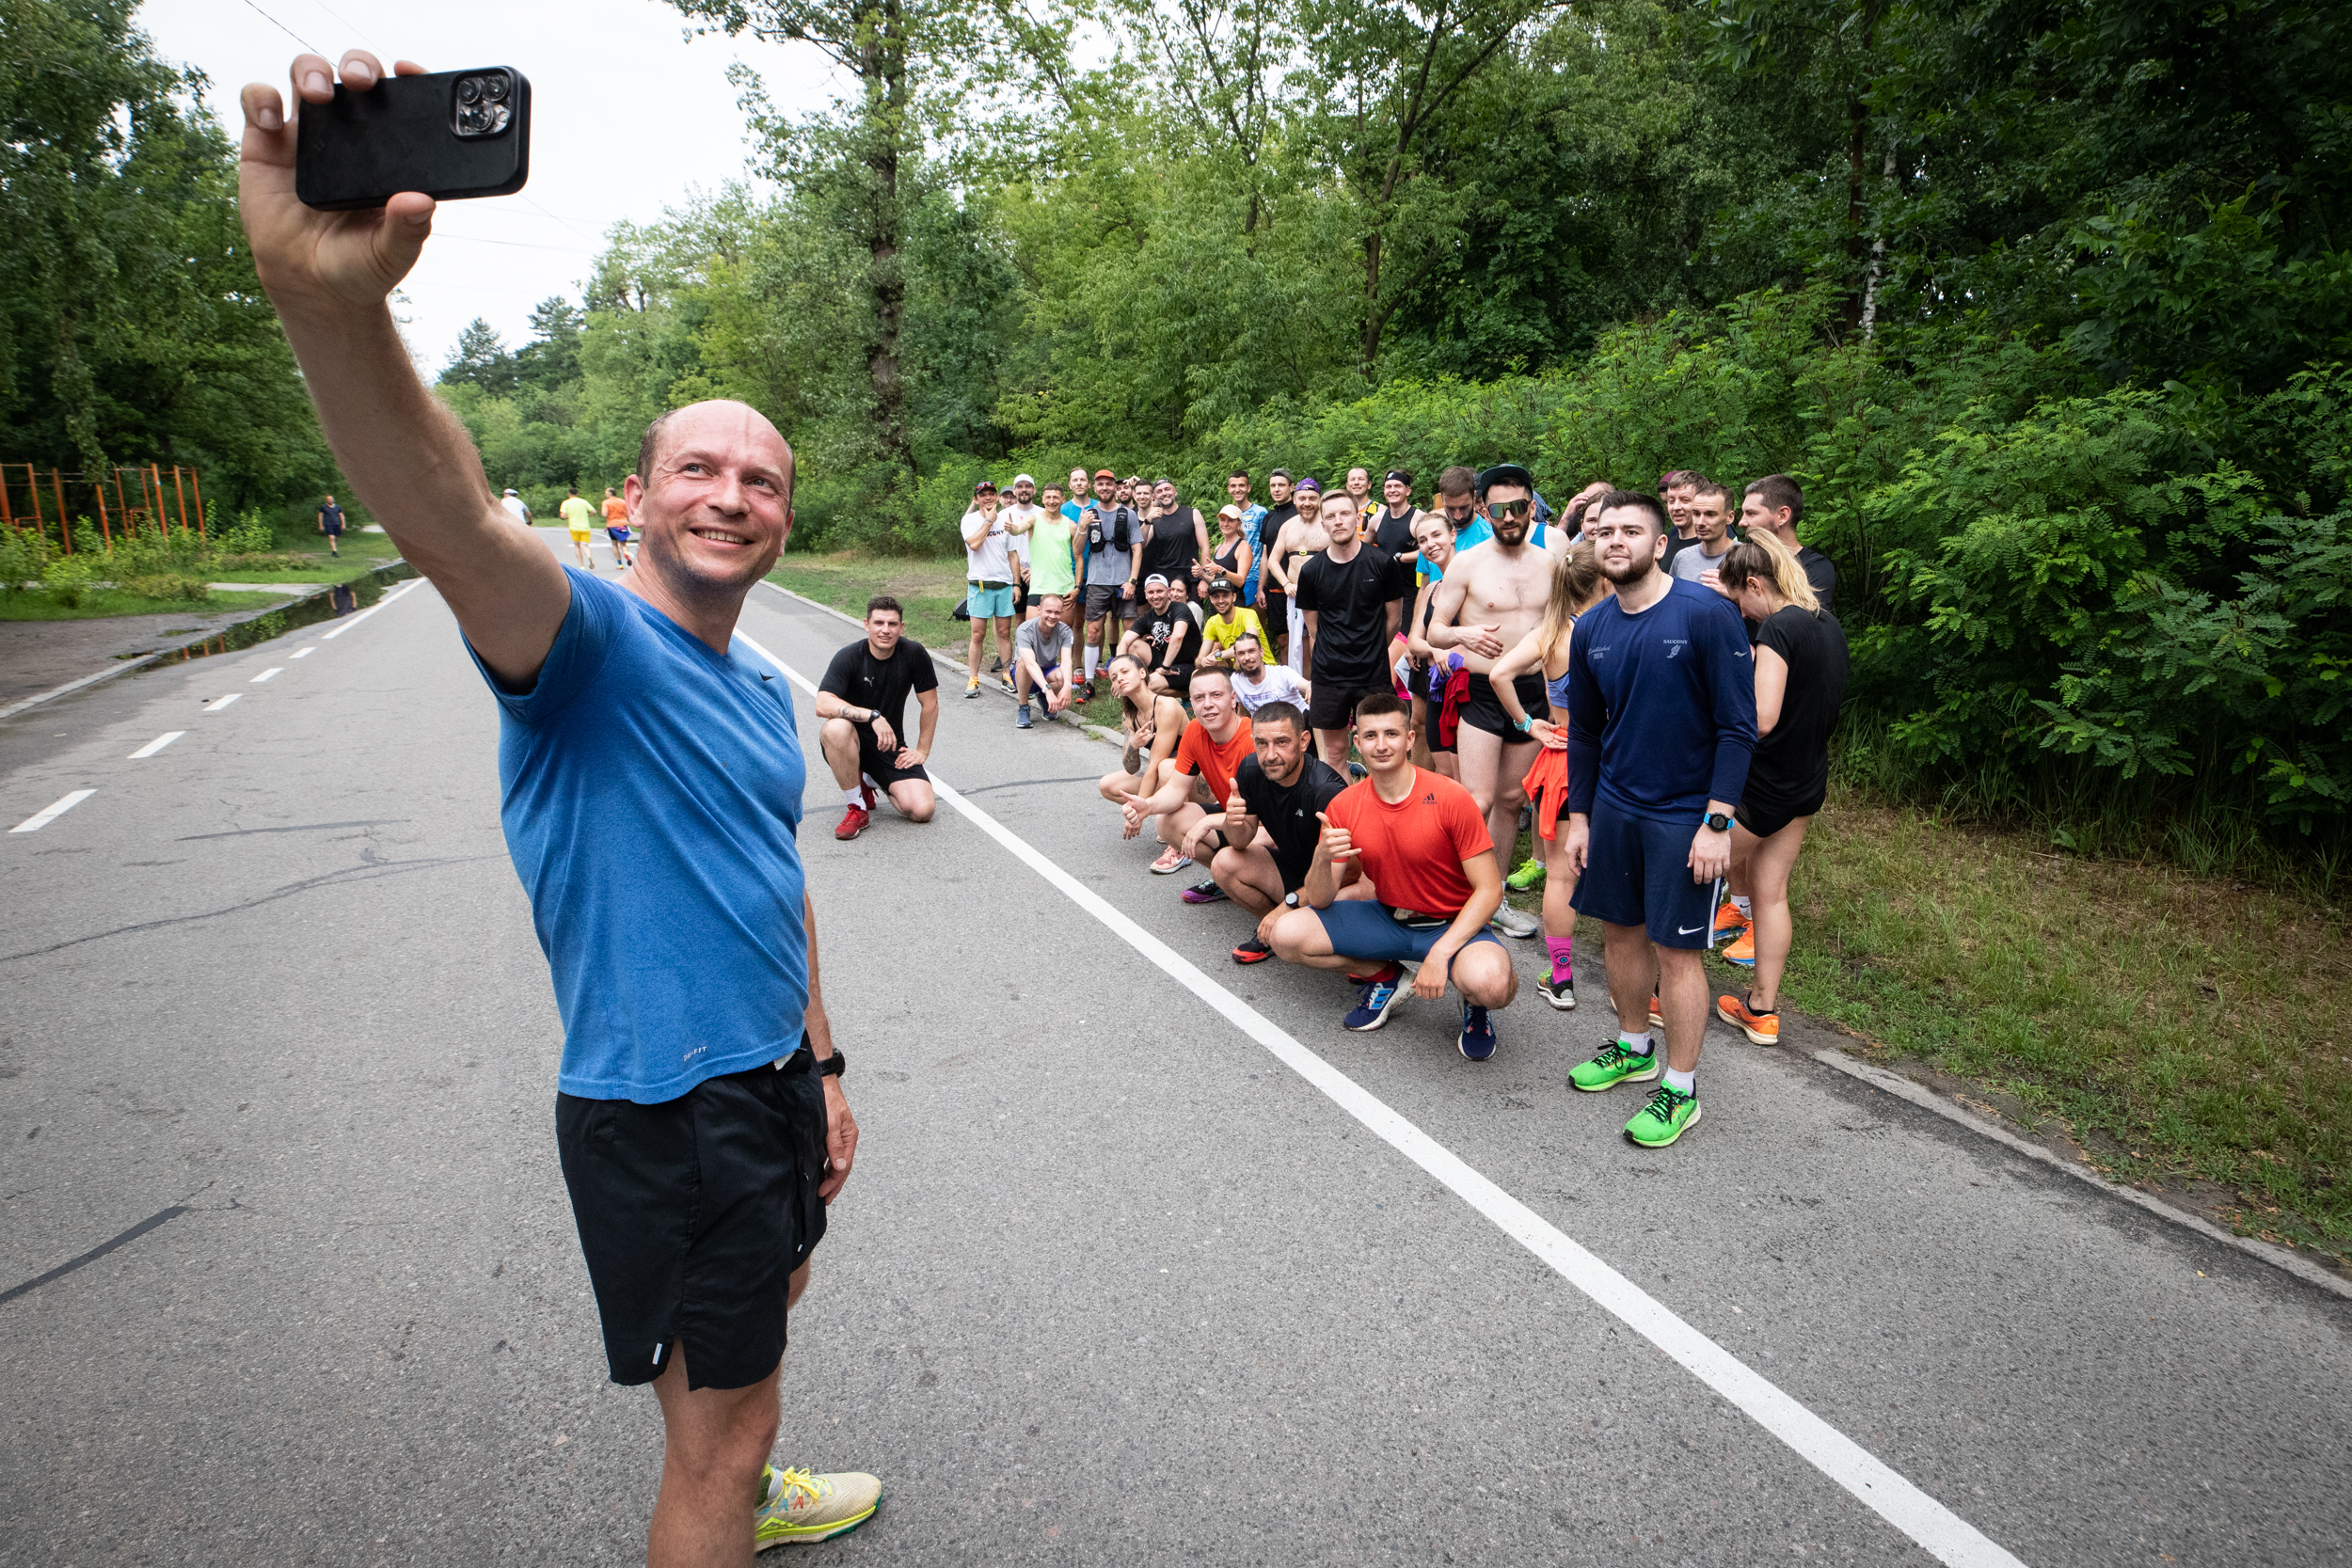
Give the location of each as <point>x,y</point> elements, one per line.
<point>1347,710</point>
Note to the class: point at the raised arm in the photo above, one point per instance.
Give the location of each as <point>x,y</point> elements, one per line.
<point>329,276</point>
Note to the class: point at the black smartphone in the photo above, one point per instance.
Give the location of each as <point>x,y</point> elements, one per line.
<point>452,134</point>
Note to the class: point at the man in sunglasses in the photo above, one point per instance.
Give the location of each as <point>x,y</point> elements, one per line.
<point>1490,598</point>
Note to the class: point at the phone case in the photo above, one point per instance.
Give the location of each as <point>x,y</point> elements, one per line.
<point>416,133</point>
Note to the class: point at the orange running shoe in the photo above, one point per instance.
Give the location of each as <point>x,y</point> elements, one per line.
<point>1743,951</point>
<point>1730,924</point>
<point>1657,1019</point>
<point>1760,1028</point>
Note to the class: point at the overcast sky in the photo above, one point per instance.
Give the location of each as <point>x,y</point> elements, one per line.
<point>626,117</point>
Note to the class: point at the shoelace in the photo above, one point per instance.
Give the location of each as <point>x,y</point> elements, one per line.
<point>796,1481</point>
<point>1663,1101</point>
<point>1614,1053</point>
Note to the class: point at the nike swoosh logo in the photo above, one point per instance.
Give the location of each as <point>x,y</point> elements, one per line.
<point>767,677</point>
<point>1689,930</point>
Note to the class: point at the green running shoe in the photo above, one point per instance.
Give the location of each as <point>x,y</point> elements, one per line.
<point>1530,872</point>
<point>1669,1115</point>
<point>1614,1065</point>
<point>798,1507</point>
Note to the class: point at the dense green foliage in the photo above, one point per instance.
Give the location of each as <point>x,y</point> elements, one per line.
<point>2046,303</point>
<point>132,329</point>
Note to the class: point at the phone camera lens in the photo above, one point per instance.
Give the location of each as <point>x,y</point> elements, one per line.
<point>469,90</point>
<point>494,88</point>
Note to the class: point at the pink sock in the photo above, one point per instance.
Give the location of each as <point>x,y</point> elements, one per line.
<point>1563,951</point>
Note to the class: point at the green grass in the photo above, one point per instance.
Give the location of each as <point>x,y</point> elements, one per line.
<point>39,605</point>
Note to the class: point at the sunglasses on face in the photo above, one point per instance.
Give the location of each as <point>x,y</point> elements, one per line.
<point>1505,511</point>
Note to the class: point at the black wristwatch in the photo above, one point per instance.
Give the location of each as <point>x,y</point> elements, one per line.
<point>1718,821</point>
<point>1290,899</point>
<point>834,1065</point>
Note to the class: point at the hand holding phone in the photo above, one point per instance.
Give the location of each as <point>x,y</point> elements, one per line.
<point>452,135</point>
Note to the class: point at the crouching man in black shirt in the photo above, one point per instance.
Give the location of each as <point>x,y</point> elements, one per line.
<point>863,704</point>
<point>1271,822</point>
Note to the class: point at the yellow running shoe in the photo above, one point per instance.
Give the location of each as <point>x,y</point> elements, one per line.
<point>798,1507</point>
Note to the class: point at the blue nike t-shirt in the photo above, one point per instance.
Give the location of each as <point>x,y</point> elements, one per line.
<point>650,794</point>
<point>1661,706</point>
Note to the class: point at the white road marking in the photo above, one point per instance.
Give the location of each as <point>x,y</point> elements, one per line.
<point>157,744</point>
<point>219,702</point>
<point>304,652</point>
<point>391,599</point>
<point>47,814</point>
<point>273,670</point>
<point>1944,1534</point>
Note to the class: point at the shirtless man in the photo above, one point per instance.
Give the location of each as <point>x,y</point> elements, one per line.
<point>1489,598</point>
<point>1303,536</point>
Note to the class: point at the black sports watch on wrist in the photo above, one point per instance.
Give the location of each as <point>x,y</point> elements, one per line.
<point>834,1065</point>
<point>1718,821</point>
<point>1290,899</point>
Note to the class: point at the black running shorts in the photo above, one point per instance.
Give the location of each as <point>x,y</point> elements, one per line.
<point>1765,815</point>
<point>880,766</point>
<point>1333,705</point>
<point>694,1215</point>
<point>1480,710</point>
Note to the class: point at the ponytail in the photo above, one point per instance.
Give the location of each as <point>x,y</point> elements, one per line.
<point>1762,555</point>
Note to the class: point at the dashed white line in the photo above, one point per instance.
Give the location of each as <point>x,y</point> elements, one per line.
<point>304,652</point>
<point>273,670</point>
<point>1941,1532</point>
<point>393,597</point>
<point>47,814</point>
<point>157,744</point>
<point>219,702</point>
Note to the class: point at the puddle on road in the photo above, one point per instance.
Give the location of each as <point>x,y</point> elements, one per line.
<point>327,604</point>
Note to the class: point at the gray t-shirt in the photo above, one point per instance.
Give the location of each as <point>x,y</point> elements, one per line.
<point>1048,647</point>
<point>1691,560</point>
<point>1106,567</point>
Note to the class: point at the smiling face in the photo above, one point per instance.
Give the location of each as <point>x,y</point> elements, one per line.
<point>1158,593</point>
<point>1025,491</point>
<point>1078,484</point>
<point>1386,741</point>
<point>1510,508</point>
<point>1395,491</point>
<point>1249,657</point>
<point>718,505</point>
<point>1678,506</point>
<point>882,628</point>
<point>1164,495</point>
<point>1360,484</point>
<point>1237,490</point>
<point>1433,536</point>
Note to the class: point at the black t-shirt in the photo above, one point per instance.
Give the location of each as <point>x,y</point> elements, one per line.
<point>1395,535</point>
<point>861,680</point>
<point>1174,637</point>
<point>1288,816</point>
<point>1791,765</point>
<point>1269,529</point>
<point>1174,547</point>
<point>1350,600</point>
<point>1819,573</point>
<point>331,519</point>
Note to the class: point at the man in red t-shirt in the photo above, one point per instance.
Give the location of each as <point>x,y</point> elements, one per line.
<point>1422,842</point>
<point>1200,780</point>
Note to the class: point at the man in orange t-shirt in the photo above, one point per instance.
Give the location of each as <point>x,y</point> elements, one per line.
<point>1422,842</point>
<point>616,528</point>
<point>1200,780</point>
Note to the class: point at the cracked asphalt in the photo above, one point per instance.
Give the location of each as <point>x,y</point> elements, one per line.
<point>1111,1282</point>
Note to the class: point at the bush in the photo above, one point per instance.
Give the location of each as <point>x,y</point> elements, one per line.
<point>248,535</point>
<point>24,554</point>
<point>189,589</point>
<point>67,579</point>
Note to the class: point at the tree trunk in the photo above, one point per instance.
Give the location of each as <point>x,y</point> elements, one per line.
<point>1373,320</point>
<point>884,69</point>
<point>1877,260</point>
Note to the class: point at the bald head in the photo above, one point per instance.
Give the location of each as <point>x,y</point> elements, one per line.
<point>721,420</point>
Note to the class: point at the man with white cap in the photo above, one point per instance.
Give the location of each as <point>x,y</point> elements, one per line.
<point>514,504</point>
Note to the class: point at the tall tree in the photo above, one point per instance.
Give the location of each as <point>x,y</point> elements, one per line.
<point>909,61</point>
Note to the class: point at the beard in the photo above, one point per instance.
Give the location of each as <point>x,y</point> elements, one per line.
<point>1512,534</point>
<point>1633,571</point>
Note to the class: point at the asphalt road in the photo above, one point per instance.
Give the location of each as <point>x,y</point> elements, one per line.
<point>1144,1259</point>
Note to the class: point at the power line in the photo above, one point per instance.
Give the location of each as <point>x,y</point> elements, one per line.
<point>283,28</point>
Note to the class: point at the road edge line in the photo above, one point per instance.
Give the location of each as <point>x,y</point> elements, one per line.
<point>1897,1500</point>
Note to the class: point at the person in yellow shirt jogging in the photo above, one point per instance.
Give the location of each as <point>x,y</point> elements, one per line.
<point>581,519</point>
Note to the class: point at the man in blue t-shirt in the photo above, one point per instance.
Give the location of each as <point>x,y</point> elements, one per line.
<point>651,775</point>
<point>1661,724</point>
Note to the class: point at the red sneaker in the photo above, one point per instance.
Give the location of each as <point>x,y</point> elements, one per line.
<point>854,822</point>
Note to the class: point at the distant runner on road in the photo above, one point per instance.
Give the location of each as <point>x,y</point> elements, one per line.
<point>617,527</point>
<point>516,507</point>
<point>580,520</point>
<point>652,777</point>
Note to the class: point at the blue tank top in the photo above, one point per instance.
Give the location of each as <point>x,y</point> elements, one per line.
<point>1556,691</point>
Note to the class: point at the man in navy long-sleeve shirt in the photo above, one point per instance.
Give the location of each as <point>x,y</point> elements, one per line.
<point>1661,724</point>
